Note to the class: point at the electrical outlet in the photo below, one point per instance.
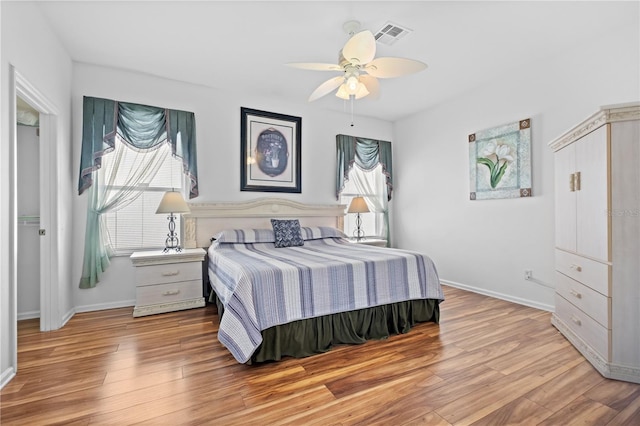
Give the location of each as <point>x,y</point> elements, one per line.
<point>527,274</point>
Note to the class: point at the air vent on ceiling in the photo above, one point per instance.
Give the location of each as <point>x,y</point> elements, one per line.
<point>390,33</point>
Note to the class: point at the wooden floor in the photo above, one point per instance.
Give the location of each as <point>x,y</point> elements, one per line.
<point>489,362</point>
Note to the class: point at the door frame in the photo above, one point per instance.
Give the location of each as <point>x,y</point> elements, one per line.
<point>49,283</point>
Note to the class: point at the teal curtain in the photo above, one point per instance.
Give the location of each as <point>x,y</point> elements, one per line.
<point>365,154</point>
<point>99,122</point>
<point>144,129</point>
<point>96,253</point>
<point>141,127</point>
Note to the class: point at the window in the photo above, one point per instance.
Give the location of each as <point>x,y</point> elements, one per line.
<point>368,184</point>
<point>136,225</point>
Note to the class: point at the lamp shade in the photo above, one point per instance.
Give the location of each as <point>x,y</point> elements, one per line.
<point>358,205</point>
<point>173,202</point>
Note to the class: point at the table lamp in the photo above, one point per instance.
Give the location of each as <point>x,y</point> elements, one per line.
<point>172,202</point>
<point>358,205</point>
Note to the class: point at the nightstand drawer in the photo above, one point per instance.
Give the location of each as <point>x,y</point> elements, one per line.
<point>168,273</point>
<point>585,327</point>
<point>586,299</point>
<point>588,272</point>
<point>167,293</point>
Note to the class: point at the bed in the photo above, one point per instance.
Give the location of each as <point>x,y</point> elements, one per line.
<point>304,299</point>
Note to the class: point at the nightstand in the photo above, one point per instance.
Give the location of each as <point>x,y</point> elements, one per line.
<point>167,282</point>
<point>378,242</point>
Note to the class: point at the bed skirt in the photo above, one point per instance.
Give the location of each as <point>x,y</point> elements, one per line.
<point>311,336</point>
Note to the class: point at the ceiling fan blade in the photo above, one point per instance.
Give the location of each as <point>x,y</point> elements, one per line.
<point>361,48</point>
<point>326,87</point>
<point>393,67</point>
<point>314,66</point>
<point>372,84</point>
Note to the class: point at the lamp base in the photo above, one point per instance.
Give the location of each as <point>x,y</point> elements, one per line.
<point>167,249</point>
<point>172,242</point>
<point>359,232</point>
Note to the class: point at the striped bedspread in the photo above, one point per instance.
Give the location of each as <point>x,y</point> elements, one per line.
<point>262,286</point>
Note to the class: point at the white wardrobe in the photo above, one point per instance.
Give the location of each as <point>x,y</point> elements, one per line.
<point>597,253</point>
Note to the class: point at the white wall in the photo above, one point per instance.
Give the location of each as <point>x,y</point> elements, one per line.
<point>486,245</point>
<point>217,115</point>
<point>30,46</point>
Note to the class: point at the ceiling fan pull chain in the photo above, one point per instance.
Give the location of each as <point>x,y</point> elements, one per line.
<point>351,98</point>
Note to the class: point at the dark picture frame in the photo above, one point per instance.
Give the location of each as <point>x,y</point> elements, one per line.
<point>270,151</point>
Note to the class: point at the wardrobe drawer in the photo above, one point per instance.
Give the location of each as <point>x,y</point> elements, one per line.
<point>166,293</point>
<point>585,327</point>
<point>588,272</point>
<point>168,273</point>
<point>594,304</point>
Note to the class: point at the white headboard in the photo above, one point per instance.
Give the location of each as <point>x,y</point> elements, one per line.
<point>207,219</point>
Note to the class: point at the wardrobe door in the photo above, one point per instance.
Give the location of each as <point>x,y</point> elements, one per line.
<point>592,195</point>
<point>565,166</point>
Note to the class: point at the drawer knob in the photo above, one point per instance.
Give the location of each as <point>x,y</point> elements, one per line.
<point>576,294</point>
<point>171,292</point>
<point>576,268</point>
<point>576,320</point>
<point>169,273</point>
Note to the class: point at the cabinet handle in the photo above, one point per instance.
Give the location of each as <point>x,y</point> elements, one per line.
<point>572,182</point>
<point>576,320</point>
<point>170,273</point>
<point>577,179</point>
<point>576,294</point>
<point>171,292</point>
<point>576,268</point>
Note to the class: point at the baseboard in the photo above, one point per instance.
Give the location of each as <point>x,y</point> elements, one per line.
<point>103,306</point>
<point>70,313</point>
<point>508,298</point>
<point>85,308</point>
<point>6,376</point>
<point>608,370</point>
<point>28,315</point>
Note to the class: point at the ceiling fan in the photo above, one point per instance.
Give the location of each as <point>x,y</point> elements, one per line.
<point>360,71</point>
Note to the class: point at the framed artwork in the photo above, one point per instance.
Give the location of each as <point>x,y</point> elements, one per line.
<point>270,151</point>
<point>500,162</point>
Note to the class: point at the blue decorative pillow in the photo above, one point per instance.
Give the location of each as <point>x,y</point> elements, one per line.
<point>287,233</point>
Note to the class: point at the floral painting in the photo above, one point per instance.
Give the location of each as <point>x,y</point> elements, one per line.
<point>270,151</point>
<point>500,161</point>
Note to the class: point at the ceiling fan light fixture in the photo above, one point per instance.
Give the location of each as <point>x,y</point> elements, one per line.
<point>352,84</point>
<point>342,92</point>
<point>362,91</point>
<point>345,93</point>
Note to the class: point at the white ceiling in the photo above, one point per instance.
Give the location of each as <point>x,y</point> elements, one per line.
<point>242,46</point>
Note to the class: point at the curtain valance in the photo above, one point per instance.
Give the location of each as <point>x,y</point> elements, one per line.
<point>139,126</point>
<point>366,154</point>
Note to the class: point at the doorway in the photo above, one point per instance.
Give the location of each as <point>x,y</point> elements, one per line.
<point>49,281</point>
<point>28,207</point>
<point>47,285</point>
